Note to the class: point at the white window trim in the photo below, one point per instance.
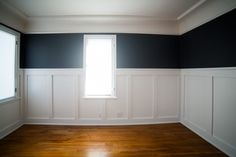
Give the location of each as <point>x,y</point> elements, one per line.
<point>17,54</point>
<point>95,36</point>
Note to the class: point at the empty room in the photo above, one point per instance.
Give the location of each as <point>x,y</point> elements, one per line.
<point>117,78</point>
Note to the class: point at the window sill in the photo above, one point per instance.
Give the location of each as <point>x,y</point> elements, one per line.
<point>9,100</point>
<point>99,97</point>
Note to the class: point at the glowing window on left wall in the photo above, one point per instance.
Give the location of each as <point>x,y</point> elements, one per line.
<point>8,63</point>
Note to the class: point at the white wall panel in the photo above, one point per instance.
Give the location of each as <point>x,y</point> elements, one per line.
<point>64,98</point>
<point>198,101</point>
<point>142,96</point>
<point>39,96</point>
<point>209,105</point>
<point>118,108</point>
<point>168,96</point>
<point>224,127</point>
<point>9,114</point>
<point>91,109</point>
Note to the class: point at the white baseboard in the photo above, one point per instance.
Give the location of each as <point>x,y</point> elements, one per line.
<point>211,139</point>
<point>100,122</point>
<point>10,128</point>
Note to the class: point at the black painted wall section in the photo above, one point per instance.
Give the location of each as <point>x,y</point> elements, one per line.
<point>51,51</point>
<point>147,51</point>
<point>66,51</point>
<point>210,45</point>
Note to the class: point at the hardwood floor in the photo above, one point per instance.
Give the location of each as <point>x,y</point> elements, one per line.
<point>163,140</point>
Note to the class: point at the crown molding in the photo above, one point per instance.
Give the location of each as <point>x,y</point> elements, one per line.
<point>195,6</point>
<point>14,10</point>
<point>12,18</point>
<point>207,12</point>
<point>102,24</point>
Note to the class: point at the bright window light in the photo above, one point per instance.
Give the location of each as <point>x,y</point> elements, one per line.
<point>7,65</point>
<point>99,65</point>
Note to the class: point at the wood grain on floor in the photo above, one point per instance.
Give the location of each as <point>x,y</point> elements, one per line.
<point>161,140</point>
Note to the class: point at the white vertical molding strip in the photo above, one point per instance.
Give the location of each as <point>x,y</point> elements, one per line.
<point>130,102</point>
<point>127,79</point>
<point>155,97</point>
<point>26,96</point>
<point>77,96</point>
<point>104,110</point>
<point>52,94</point>
<point>51,106</point>
<point>212,106</point>
<point>182,97</point>
<point>179,97</point>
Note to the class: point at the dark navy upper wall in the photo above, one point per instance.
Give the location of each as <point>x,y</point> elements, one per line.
<point>210,45</point>
<point>51,51</point>
<point>147,51</point>
<point>66,51</point>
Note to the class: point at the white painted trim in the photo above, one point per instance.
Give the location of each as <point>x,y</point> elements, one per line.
<point>204,69</point>
<point>155,98</point>
<point>10,128</point>
<point>207,12</point>
<point>99,122</point>
<point>9,100</point>
<point>119,71</point>
<point>229,150</point>
<point>114,25</point>
<point>208,72</point>
<point>63,118</point>
<point>195,6</point>
<point>11,17</point>
<point>14,10</point>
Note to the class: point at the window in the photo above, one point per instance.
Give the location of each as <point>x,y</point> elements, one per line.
<point>99,65</point>
<point>8,63</point>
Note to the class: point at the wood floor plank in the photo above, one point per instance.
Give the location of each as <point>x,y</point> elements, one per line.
<point>162,140</point>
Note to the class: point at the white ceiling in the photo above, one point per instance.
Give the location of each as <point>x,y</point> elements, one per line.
<point>158,9</point>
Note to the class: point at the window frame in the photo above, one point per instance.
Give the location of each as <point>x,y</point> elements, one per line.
<point>17,53</point>
<point>100,36</point>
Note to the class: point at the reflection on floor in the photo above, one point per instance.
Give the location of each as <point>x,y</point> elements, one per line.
<point>162,140</point>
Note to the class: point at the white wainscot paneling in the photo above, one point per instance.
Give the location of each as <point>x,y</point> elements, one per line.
<point>91,109</point>
<point>10,118</point>
<point>209,105</point>
<point>225,110</point>
<point>142,97</point>
<point>168,96</point>
<point>39,96</point>
<point>64,97</point>
<point>198,102</point>
<point>118,108</point>
<point>56,96</point>
<point>11,111</point>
